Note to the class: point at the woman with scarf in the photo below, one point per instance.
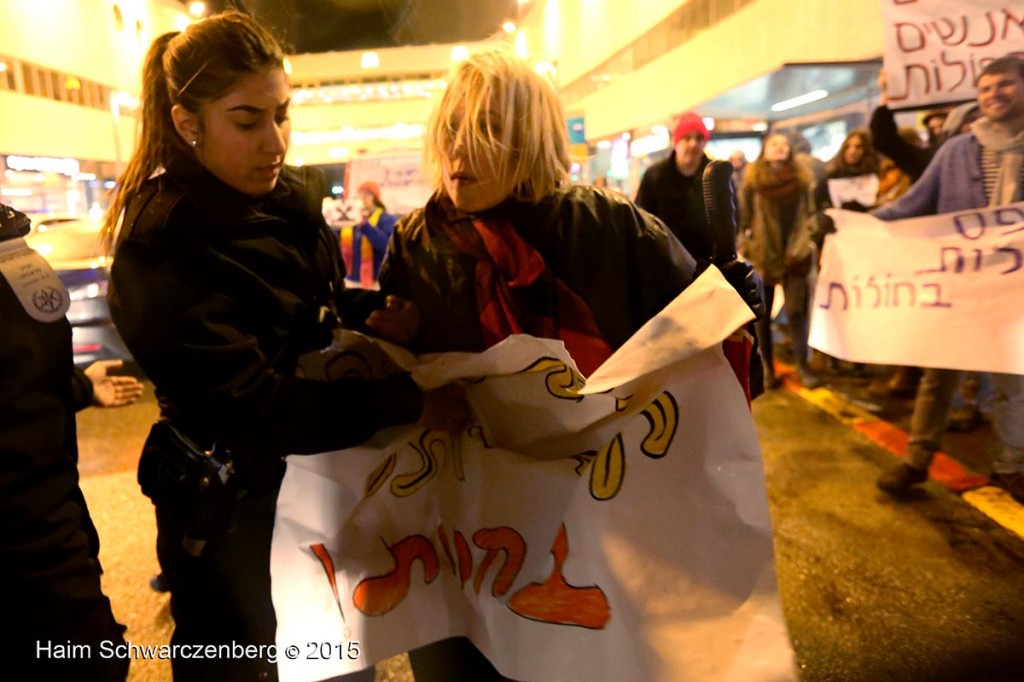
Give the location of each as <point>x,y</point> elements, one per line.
<point>776,222</point>
<point>507,245</point>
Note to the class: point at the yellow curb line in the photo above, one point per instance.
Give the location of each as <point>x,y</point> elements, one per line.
<point>843,410</point>
<point>991,501</point>
<point>997,504</point>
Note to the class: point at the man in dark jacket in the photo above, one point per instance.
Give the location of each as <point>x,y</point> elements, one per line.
<point>672,189</point>
<point>60,619</point>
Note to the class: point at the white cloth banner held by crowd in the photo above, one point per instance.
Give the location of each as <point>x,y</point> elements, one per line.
<point>617,531</point>
<point>860,188</point>
<point>938,291</point>
<point>935,49</point>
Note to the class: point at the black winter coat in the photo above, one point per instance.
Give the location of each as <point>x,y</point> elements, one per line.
<point>49,565</point>
<point>620,260</point>
<point>217,294</point>
<point>679,202</point>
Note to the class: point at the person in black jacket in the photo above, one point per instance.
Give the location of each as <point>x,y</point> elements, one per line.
<point>507,245</point>
<point>672,188</point>
<point>912,159</point>
<point>224,274</point>
<point>60,620</point>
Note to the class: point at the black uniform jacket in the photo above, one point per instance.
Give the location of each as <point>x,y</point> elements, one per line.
<point>679,202</point>
<point>621,261</point>
<point>217,294</point>
<point>46,536</point>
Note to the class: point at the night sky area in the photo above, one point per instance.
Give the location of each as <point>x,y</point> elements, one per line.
<point>338,25</point>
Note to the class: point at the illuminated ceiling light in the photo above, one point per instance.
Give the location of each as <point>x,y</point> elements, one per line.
<point>659,130</point>
<point>197,9</point>
<point>509,27</point>
<point>370,60</point>
<point>181,22</point>
<point>626,136</point>
<point>709,122</point>
<point>604,144</point>
<point>522,50</point>
<point>795,102</point>
<point>759,127</point>
<point>544,68</point>
<point>459,52</point>
<point>123,100</point>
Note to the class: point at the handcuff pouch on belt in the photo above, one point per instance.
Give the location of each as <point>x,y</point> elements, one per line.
<point>173,464</point>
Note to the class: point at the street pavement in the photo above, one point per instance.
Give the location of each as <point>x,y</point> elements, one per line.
<point>922,590</point>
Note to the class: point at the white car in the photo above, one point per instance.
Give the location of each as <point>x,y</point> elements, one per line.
<point>73,248</point>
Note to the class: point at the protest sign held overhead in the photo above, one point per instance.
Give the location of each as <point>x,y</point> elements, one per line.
<point>935,49</point>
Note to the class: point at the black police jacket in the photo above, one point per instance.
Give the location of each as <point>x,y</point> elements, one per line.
<point>217,294</point>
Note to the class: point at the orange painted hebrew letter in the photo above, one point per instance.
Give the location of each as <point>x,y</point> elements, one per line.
<point>556,601</point>
<point>465,557</point>
<point>376,596</point>
<point>495,540</point>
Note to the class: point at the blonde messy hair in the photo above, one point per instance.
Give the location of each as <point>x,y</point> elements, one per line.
<point>499,109</point>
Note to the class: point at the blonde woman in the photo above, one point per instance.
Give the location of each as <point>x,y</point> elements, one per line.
<point>507,245</point>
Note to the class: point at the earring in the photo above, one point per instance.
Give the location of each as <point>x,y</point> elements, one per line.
<point>194,142</point>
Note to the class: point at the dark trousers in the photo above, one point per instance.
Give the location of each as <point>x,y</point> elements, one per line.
<point>452,660</point>
<point>223,595</point>
<point>797,304</point>
<point>63,630</point>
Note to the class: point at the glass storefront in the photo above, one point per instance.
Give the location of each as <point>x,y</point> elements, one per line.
<point>48,185</point>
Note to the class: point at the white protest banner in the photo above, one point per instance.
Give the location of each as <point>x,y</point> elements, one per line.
<point>637,545</point>
<point>935,49</point>
<point>860,188</point>
<point>939,291</point>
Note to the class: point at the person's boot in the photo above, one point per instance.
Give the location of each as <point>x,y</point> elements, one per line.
<point>967,417</point>
<point>158,583</point>
<point>1012,483</point>
<point>904,382</point>
<point>808,378</point>
<point>771,381</point>
<point>898,480</point>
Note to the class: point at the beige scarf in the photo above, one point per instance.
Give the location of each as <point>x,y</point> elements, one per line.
<point>1009,151</point>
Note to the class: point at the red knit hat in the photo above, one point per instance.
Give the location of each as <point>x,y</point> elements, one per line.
<point>371,187</point>
<point>689,123</point>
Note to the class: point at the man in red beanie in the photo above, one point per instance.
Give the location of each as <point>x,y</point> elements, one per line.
<point>671,189</point>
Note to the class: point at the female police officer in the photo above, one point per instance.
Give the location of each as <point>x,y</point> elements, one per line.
<point>224,273</point>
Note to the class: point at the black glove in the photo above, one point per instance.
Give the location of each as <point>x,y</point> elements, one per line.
<point>744,279</point>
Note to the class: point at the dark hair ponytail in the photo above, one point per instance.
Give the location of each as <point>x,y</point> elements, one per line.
<point>189,69</point>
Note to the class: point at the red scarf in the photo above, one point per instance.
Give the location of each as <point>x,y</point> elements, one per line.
<point>509,277</point>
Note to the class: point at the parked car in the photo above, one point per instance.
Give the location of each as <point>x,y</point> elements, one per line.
<point>74,250</point>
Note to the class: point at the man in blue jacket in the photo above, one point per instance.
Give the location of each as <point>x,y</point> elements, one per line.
<point>973,170</point>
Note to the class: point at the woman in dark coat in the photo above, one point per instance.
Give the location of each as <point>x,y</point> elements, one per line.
<point>224,274</point>
<point>777,219</point>
<point>506,245</point>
